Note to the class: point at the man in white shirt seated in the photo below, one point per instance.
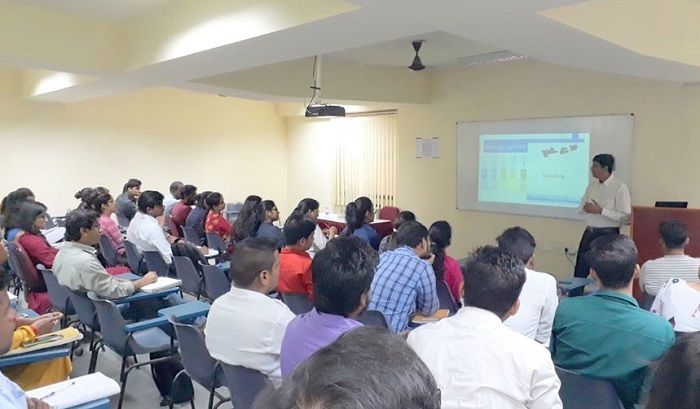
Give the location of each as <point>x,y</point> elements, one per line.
<point>245,327</point>
<point>477,361</point>
<point>144,230</point>
<point>674,264</point>
<point>169,202</point>
<point>538,300</point>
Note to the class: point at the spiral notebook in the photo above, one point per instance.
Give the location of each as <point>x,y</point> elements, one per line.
<point>76,391</point>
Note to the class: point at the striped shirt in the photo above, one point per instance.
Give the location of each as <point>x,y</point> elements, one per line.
<point>402,285</point>
<point>655,273</point>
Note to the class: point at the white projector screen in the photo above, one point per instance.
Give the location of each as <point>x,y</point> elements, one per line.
<point>537,167</point>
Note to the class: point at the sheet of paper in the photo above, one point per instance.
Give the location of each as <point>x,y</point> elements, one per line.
<point>76,391</point>
<point>163,283</point>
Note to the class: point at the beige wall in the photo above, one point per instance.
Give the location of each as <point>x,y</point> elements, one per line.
<point>235,146</point>
<point>667,117</point>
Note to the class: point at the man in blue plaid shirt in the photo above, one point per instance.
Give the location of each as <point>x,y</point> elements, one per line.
<point>404,282</point>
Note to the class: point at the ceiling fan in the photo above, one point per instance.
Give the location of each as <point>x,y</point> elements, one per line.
<point>417,64</point>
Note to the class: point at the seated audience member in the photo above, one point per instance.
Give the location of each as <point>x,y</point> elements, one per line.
<point>257,320</point>
<point>678,302</point>
<point>388,243</point>
<point>477,361</point>
<point>104,205</point>
<point>538,300</point>
<point>405,283</point>
<point>295,262</point>
<point>31,218</point>
<point>183,207</point>
<point>216,222</point>
<point>77,266</point>
<point>175,196</point>
<point>676,378</point>
<point>607,335</point>
<point>126,202</point>
<point>674,264</point>
<point>358,216</point>
<point>309,208</point>
<point>145,231</point>
<point>195,220</point>
<point>446,268</point>
<point>366,368</point>
<point>342,274</point>
<point>36,374</point>
<point>267,230</point>
<point>9,208</point>
<point>11,396</point>
<point>83,195</point>
<point>249,219</point>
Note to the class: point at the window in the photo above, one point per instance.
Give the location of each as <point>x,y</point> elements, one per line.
<point>365,159</point>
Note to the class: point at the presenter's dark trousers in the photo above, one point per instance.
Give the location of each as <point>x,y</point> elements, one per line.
<point>582,262</point>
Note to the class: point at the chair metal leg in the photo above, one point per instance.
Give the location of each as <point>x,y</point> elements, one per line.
<point>211,398</point>
<point>122,378</point>
<point>172,387</point>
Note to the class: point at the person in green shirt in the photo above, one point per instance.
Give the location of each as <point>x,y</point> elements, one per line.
<point>606,335</point>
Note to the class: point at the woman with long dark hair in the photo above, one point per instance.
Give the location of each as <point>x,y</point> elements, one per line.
<point>446,268</point>
<point>10,206</point>
<point>309,209</point>
<point>216,222</point>
<point>358,215</point>
<point>102,202</point>
<point>266,229</point>
<point>198,215</point>
<point>32,218</point>
<point>249,219</point>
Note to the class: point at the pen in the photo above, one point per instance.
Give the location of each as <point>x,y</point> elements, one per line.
<point>58,390</point>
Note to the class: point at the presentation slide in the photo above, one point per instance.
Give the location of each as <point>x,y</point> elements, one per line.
<point>541,169</point>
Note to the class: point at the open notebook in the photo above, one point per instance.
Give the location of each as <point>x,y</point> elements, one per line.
<point>76,391</point>
<point>163,283</point>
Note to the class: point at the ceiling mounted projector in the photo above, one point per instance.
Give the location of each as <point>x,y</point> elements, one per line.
<point>417,64</point>
<point>313,111</point>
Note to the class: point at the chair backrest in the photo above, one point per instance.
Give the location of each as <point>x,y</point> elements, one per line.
<point>155,262</point>
<point>445,297</point>
<point>111,324</point>
<point>244,384</point>
<point>214,241</point>
<point>216,282</point>
<point>108,251</point>
<point>373,318</point>
<point>122,220</point>
<point>59,295</point>
<point>191,280</point>
<point>25,269</point>
<point>233,210</point>
<point>389,213</point>
<point>133,257</point>
<point>583,392</point>
<point>298,303</point>
<point>195,356</point>
<point>84,308</point>
<point>191,235</point>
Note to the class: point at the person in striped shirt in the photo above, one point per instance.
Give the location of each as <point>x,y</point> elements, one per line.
<point>674,264</point>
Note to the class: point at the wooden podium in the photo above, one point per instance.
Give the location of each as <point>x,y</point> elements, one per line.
<point>645,232</point>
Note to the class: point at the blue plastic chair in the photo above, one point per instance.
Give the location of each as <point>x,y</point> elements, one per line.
<point>133,257</point>
<point>244,384</point>
<point>298,303</point>
<point>373,318</point>
<point>583,392</point>
<point>192,282</point>
<point>214,241</point>
<point>216,282</point>
<point>87,315</point>
<point>445,297</point>
<point>155,262</point>
<point>191,236</point>
<point>197,361</point>
<point>108,251</point>
<point>122,221</point>
<point>59,296</point>
<point>142,337</point>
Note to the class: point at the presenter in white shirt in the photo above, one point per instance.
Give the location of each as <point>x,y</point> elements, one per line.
<point>606,205</point>
<point>478,362</point>
<point>538,299</point>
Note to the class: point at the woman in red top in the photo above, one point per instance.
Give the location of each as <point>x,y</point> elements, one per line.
<point>32,218</point>
<point>446,268</point>
<point>216,222</point>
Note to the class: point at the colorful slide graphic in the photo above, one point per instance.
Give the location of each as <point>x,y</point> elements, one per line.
<point>534,169</point>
